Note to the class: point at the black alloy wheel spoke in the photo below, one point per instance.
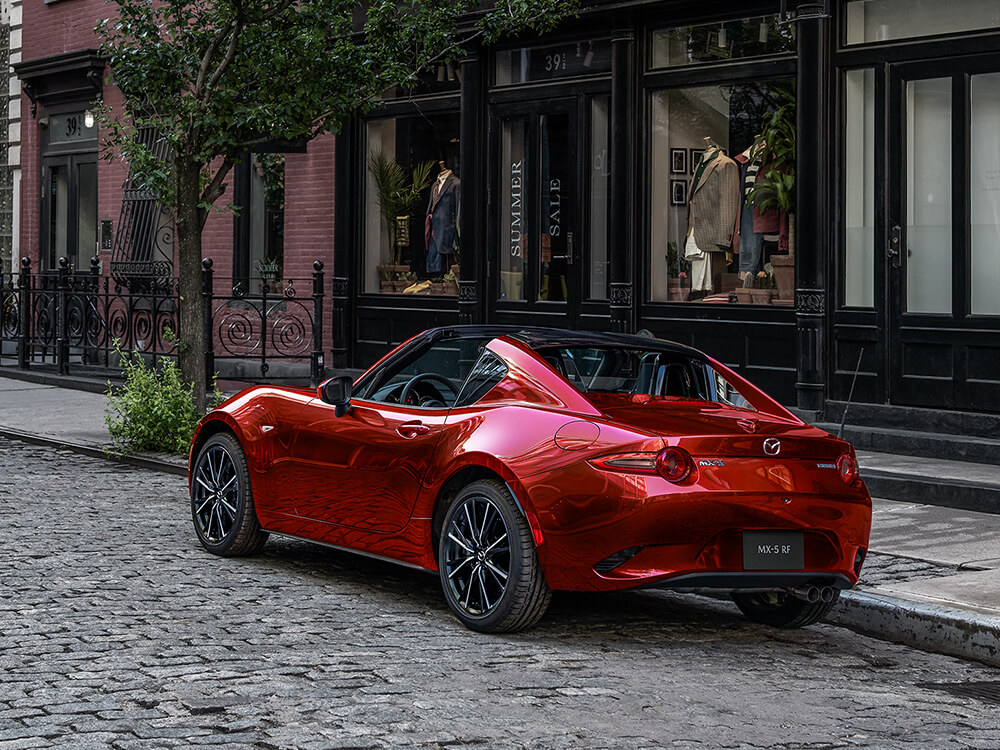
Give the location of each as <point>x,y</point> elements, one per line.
<point>216,494</point>
<point>477,555</point>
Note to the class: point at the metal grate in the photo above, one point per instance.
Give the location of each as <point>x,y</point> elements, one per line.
<point>987,692</point>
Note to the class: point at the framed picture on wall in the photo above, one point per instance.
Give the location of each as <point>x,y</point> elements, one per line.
<point>695,158</point>
<point>678,161</point>
<point>678,192</point>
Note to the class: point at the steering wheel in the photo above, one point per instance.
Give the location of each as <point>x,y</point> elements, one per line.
<point>416,380</point>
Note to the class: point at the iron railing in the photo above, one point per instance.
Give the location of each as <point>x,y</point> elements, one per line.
<point>68,319</point>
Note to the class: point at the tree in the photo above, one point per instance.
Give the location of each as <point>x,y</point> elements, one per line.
<point>214,78</point>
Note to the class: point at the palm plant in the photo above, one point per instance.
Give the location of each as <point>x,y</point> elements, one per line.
<point>395,195</point>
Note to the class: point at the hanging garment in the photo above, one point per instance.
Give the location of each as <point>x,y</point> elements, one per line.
<point>701,265</point>
<point>441,224</point>
<point>714,202</point>
<point>746,242</point>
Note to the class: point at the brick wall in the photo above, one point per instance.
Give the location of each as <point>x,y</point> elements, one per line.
<point>67,26</point>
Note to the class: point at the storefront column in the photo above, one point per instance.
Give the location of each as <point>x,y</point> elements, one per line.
<point>620,215</point>
<point>813,197</point>
<point>343,321</point>
<point>471,221</point>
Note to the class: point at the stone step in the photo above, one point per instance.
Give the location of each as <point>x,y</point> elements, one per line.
<point>968,424</point>
<point>935,445</point>
<point>954,484</point>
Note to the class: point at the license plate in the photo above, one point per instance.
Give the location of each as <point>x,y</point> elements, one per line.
<point>773,550</point>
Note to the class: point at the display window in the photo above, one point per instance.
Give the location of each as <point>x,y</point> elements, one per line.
<point>736,39</point>
<point>885,20</point>
<point>412,205</point>
<point>722,193</point>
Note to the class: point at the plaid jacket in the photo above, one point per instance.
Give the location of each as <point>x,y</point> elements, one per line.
<point>714,204</point>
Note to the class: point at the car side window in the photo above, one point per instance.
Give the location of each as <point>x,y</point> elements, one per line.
<point>429,377</point>
<point>489,371</point>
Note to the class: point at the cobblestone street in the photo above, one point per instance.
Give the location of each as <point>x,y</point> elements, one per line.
<point>118,630</point>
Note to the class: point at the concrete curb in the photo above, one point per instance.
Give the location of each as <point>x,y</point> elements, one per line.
<point>943,630</point>
<point>140,461</point>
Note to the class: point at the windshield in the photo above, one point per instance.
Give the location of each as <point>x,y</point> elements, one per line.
<point>636,371</point>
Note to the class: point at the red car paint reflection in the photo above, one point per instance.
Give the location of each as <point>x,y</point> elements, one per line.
<point>576,458</point>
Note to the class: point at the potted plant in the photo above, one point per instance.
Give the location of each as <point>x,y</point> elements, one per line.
<point>397,196</point>
<point>451,284</point>
<point>677,274</point>
<point>775,186</point>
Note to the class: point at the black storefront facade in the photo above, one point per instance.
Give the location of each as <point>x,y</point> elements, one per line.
<point>583,159</point>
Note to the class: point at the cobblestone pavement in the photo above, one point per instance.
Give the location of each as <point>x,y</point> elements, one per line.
<point>117,630</point>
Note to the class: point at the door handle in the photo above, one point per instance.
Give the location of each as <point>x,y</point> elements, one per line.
<point>893,250</point>
<point>412,429</point>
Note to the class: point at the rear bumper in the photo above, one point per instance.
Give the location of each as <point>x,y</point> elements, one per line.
<point>690,536</point>
<point>754,581</point>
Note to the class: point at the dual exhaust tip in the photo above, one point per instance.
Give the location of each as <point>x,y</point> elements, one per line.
<point>813,594</point>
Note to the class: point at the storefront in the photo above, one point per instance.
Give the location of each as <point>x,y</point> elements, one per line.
<point>881,231</point>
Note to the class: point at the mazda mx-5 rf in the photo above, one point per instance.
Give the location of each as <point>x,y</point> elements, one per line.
<point>516,461</point>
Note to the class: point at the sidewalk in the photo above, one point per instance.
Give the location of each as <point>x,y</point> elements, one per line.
<point>931,580</point>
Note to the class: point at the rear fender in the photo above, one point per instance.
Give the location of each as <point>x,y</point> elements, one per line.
<point>428,505</point>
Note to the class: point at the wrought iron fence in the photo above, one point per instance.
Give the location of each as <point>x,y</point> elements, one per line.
<point>70,319</point>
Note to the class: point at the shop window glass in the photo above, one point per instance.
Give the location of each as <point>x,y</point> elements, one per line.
<point>86,219</point>
<point>514,209</point>
<point>412,205</point>
<point>600,174</point>
<point>58,214</point>
<point>716,233</point>
<point>928,260</point>
<point>737,39</point>
<point>260,247</point>
<point>564,60</point>
<point>859,188</point>
<point>985,193</point>
<point>884,20</point>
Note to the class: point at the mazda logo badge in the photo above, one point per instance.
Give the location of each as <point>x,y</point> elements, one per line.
<point>772,446</point>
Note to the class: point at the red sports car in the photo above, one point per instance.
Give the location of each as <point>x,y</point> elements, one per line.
<point>515,461</point>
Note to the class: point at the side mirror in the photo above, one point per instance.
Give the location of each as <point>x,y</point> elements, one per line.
<point>337,392</point>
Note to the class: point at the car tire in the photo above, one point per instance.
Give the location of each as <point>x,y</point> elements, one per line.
<point>222,506</point>
<point>487,561</point>
<point>782,610</point>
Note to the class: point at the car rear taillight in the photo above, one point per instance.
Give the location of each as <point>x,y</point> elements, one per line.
<point>847,467</point>
<point>674,464</point>
<point>633,463</point>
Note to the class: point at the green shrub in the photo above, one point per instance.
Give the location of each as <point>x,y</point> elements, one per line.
<point>154,410</point>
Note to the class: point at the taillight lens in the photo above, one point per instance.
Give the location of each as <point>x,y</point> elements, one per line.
<point>674,464</point>
<point>633,463</point>
<point>847,467</point>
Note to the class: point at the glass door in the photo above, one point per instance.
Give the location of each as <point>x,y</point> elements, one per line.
<point>69,209</point>
<point>538,216</point>
<point>943,239</point>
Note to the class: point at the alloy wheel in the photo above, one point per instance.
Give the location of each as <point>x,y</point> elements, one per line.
<point>477,555</point>
<point>216,494</point>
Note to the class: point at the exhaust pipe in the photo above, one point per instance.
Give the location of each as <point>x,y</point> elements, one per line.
<point>827,593</point>
<point>810,594</point>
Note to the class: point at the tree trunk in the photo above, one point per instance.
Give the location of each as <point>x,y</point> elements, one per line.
<point>192,304</point>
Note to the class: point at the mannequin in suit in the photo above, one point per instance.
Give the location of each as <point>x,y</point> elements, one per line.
<point>441,224</point>
<point>712,210</point>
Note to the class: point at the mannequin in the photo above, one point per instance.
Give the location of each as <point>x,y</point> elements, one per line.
<point>712,209</point>
<point>441,224</point>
